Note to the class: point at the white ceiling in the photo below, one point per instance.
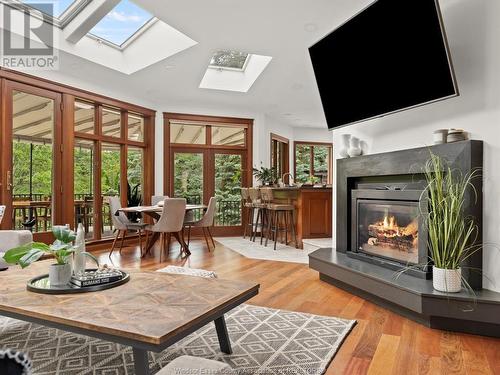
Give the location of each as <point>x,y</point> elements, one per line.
<point>282,29</point>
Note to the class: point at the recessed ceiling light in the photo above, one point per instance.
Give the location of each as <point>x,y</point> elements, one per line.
<point>311,27</point>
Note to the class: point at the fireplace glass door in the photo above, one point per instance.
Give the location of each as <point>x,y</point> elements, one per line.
<point>389,230</point>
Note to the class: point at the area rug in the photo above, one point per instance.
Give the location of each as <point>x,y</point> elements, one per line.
<point>255,250</point>
<point>264,341</point>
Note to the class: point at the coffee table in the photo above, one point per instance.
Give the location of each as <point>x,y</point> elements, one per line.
<point>149,313</point>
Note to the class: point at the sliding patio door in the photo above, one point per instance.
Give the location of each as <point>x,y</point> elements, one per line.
<point>31,162</point>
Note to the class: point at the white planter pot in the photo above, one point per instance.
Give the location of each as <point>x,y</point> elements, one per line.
<point>444,280</point>
<point>59,274</point>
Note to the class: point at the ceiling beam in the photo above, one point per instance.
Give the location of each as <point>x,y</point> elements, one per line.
<point>231,136</point>
<point>31,109</point>
<point>197,135</point>
<point>89,16</point>
<point>179,133</point>
<point>34,123</point>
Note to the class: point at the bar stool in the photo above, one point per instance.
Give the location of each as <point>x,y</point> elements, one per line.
<point>245,198</point>
<point>276,214</point>
<point>257,204</point>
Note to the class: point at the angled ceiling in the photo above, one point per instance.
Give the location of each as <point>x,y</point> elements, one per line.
<point>281,29</point>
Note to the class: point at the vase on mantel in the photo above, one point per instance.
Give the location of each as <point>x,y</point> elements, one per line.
<point>345,145</point>
<point>354,147</point>
<point>446,280</point>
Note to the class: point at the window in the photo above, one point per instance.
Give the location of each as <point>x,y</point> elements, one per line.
<point>135,127</point>
<point>188,134</point>
<point>122,23</point>
<point>313,159</point>
<point>58,12</point>
<point>111,122</point>
<point>228,135</point>
<point>280,156</point>
<point>84,117</point>
<point>232,60</point>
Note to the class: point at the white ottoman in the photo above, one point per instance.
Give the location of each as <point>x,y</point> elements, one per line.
<point>196,366</point>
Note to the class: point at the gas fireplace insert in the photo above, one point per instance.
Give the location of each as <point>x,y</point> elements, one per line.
<point>388,229</point>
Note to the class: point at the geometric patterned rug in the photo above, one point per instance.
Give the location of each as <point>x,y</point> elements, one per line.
<point>264,341</point>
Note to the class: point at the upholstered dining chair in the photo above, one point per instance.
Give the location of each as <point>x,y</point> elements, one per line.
<point>155,199</point>
<point>170,223</point>
<point>122,224</point>
<point>204,223</point>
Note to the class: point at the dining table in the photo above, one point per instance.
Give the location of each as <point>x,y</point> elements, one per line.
<point>155,212</point>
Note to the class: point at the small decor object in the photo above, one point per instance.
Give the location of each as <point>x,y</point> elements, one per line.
<point>61,250</point>
<point>439,136</point>
<point>104,275</point>
<point>445,280</point>
<point>267,176</point>
<point>355,147</point>
<point>451,233</point>
<point>79,258</point>
<point>346,138</point>
<point>456,135</point>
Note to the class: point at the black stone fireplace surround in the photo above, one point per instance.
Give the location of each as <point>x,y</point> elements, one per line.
<point>368,277</point>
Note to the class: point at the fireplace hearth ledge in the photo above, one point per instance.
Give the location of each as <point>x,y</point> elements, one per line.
<point>409,296</point>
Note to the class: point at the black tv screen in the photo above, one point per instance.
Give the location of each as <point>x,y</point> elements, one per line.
<point>391,56</point>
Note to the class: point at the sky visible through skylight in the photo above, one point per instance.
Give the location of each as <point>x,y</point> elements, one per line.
<point>121,23</point>
<point>59,6</point>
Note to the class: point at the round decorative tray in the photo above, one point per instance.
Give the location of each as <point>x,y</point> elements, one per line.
<point>41,284</point>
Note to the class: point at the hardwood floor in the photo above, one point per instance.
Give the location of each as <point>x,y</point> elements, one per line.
<point>381,343</point>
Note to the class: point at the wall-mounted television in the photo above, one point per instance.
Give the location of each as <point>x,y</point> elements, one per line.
<point>391,56</point>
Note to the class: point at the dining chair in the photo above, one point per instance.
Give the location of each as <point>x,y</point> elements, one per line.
<point>155,199</point>
<point>204,223</point>
<point>170,223</point>
<point>122,224</point>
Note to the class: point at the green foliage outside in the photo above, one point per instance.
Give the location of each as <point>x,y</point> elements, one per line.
<point>303,163</point>
<point>42,169</point>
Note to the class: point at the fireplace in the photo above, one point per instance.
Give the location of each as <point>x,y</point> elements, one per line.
<point>387,228</point>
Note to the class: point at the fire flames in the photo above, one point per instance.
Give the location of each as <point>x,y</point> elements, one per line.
<point>388,232</point>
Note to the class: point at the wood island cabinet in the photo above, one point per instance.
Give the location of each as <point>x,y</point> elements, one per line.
<point>313,210</point>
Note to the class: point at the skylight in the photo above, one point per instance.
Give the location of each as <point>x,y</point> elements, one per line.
<point>59,11</point>
<point>225,59</point>
<point>122,23</point>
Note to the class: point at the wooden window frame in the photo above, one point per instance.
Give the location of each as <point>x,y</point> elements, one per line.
<point>313,144</point>
<point>285,158</point>
<point>69,94</point>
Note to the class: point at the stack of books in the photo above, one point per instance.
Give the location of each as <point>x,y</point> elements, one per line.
<point>97,277</point>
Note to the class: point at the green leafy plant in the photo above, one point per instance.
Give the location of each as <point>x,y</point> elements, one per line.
<point>134,199</point>
<point>452,235</point>
<point>61,249</point>
<point>312,180</point>
<point>267,176</point>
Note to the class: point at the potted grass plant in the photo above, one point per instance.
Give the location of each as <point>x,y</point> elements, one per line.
<point>452,234</point>
<point>61,250</point>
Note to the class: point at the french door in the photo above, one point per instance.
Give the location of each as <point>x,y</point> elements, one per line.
<point>31,164</point>
<point>199,174</point>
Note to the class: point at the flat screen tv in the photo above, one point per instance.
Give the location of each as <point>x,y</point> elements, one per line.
<point>391,56</point>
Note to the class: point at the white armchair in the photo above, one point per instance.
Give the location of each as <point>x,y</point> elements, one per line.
<point>10,239</point>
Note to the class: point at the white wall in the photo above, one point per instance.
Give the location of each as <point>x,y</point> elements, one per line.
<point>473,29</point>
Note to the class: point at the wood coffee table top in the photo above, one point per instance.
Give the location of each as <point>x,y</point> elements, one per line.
<point>152,308</point>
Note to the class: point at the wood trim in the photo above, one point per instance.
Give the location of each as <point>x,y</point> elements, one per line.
<point>66,89</point>
<point>285,156</point>
<point>208,152</point>
<point>68,144</point>
<point>306,143</point>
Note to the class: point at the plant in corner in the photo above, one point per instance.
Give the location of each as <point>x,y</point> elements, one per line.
<point>452,235</point>
<point>267,176</point>
<point>61,250</point>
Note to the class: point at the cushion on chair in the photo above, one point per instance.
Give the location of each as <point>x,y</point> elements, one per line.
<point>196,366</point>
<point>10,239</point>
<point>189,272</point>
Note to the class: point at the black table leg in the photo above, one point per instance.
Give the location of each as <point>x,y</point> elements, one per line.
<point>141,363</point>
<point>222,335</point>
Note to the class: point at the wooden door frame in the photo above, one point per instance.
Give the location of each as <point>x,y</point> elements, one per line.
<point>8,87</point>
<point>286,158</point>
<point>246,152</point>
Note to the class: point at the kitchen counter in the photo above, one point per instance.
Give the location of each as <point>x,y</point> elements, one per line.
<point>313,210</point>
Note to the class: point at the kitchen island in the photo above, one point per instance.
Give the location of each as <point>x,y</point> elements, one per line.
<point>313,210</point>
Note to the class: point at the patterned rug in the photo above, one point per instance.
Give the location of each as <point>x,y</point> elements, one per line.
<point>264,341</point>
